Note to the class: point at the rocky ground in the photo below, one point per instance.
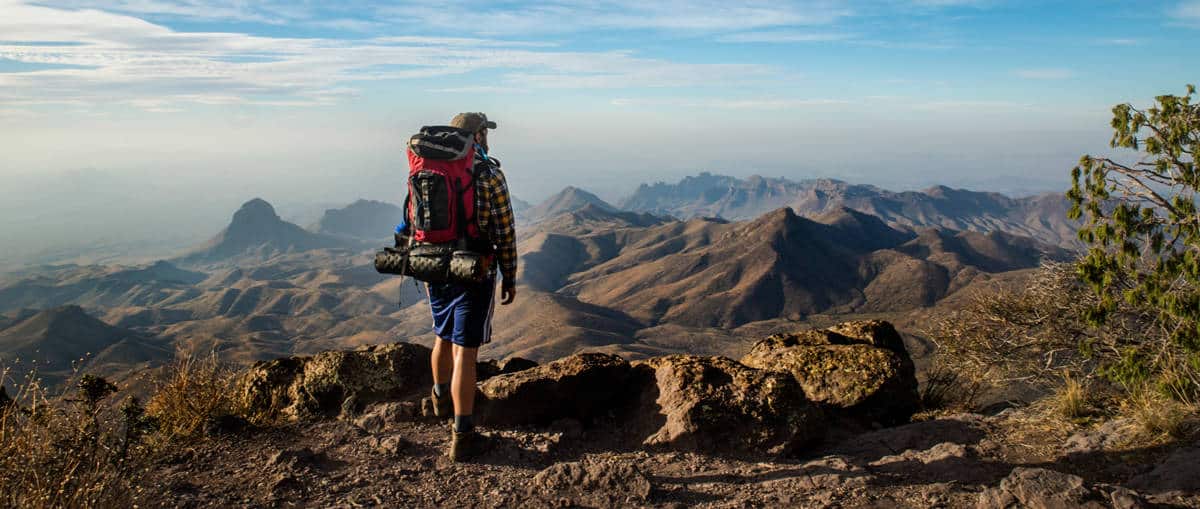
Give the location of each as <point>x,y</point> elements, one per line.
<point>817,418</point>
<point>390,459</point>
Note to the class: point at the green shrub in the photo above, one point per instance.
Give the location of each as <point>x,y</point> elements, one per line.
<point>1142,225</point>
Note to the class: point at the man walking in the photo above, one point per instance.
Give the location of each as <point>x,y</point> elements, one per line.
<point>462,313</point>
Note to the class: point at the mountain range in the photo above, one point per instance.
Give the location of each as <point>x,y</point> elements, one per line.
<point>1043,216</point>
<point>593,277</point>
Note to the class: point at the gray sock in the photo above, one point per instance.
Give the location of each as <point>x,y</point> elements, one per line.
<point>441,390</point>
<point>463,424</point>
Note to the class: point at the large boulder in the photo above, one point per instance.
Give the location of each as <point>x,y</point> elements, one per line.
<point>581,387</point>
<point>859,367</point>
<point>331,383</point>
<point>713,403</point>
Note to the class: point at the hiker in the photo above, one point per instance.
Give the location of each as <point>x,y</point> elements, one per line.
<point>462,313</point>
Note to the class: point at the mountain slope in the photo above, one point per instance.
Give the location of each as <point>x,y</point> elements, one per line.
<point>785,266</point>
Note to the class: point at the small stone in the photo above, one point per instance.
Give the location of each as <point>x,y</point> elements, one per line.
<point>293,458</point>
<point>392,445</point>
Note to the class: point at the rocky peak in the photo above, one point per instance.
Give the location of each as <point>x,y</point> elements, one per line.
<point>254,215</point>
<point>570,199</point>
<point>65,316</point>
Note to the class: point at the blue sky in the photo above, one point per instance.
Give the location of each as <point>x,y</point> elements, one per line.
<point>601,94</point>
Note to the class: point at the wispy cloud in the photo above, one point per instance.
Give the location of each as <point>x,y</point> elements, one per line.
<point>1187,13</point>
<point>950,3</point>
<point>731,104</point>
<point>1120,42</point>
<point>118,58</point>
<point>963,106</point>
<point>569,16</point>
<point>1044,74</point>
<point>230,10</point>
<point>785,37</point>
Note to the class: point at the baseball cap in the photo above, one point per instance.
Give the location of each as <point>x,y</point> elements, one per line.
<point>472,121</point>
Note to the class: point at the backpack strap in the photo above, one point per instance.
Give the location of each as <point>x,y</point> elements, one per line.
<point>463,241</point>
<point>462,211</point>
<point>407,202</point>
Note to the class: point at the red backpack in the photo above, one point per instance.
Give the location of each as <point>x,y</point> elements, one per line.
<point>441,186</point>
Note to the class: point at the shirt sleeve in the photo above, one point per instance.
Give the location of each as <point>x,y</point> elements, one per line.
<point>504,234</point>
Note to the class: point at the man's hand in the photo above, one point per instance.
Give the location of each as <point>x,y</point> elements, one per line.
<point>507,294</point>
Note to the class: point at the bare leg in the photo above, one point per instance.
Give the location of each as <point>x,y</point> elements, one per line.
<point>462,386</point>
<point>442,361</point>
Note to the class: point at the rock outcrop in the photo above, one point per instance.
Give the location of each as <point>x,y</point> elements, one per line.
<point>582,387</point>
<point>331,383</point>
<point>689,402</point>
<point>779,398</point>
<point>861,368</point>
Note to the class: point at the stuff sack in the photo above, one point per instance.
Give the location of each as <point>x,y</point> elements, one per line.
<point>433,263</point>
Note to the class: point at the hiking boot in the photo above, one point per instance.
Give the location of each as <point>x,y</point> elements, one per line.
<point>433,406</point>
<point>466,446</point>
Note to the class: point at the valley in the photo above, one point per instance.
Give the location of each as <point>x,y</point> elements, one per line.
<point>638,281</point>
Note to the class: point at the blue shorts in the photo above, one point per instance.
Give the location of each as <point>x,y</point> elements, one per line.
<point>462,314</point>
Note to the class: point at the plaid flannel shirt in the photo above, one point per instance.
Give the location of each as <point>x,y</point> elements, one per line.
<point>493,209</point>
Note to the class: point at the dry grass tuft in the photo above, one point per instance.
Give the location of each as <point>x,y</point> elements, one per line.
<point>72,451</point>
<point>1074,400</point>
<point>89,446</point>
<point>1158,417</point>
<point>193,392</point>
<point>948,390</point>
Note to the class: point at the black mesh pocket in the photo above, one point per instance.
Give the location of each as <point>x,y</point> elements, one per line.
<point>431,199</point>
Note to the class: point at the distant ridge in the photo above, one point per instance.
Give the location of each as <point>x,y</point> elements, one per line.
<point>364,219</point>
<point>570,199</point>
<point>55,338</point>
<point>1041,216</point>
<point>257,231</point>
<point>591,218</point>
<point>97,287</point>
